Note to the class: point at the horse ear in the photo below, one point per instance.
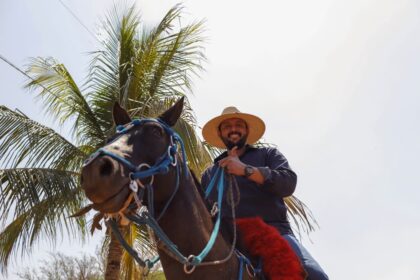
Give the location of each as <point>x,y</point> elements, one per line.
<point>171,115</point>
<point>120,115</point>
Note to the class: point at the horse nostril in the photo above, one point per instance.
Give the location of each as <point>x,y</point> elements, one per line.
<point>106,167</point>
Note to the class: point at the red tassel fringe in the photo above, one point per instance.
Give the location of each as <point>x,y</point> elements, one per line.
<point>262,240</point>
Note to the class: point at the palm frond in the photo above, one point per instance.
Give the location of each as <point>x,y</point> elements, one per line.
<point>167,58</point>
<point>111,67</point>
<point>128,44</point>
<point>180,56</point>
<point>23,140</point>
<point>137,70</point>
<point>300,214</point>
<point>62,98</point>
<point>24,188</point>
<point>38,202</point>
<point>148,55</point>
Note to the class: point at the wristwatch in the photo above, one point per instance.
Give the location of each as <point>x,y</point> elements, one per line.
<point>248,171</point>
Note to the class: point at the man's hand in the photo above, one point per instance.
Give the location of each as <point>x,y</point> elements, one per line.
<point>232,163</point>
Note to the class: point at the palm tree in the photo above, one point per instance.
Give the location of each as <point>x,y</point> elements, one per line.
<point>146,71</point>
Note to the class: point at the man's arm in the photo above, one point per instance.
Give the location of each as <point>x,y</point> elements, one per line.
<point>279,178</point>
<point>276,177</point>
<point>233,165</point>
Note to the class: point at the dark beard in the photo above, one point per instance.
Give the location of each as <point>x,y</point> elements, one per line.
<point>230,145</point>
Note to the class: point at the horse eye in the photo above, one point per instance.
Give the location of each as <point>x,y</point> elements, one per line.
<point>157,131</point>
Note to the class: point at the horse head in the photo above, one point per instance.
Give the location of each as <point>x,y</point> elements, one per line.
<point>141,152</point>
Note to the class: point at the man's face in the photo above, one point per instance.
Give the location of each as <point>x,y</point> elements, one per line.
<point>233,132</point>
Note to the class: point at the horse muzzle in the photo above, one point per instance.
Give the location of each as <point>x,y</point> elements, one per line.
<point>105,184</point>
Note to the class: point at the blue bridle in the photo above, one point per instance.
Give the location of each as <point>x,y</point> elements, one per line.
<point>162,166</point>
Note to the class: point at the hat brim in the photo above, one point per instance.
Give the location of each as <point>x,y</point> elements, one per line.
<point>256,128</point>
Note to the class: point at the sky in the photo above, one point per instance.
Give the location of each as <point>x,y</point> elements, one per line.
<point>336,83</point>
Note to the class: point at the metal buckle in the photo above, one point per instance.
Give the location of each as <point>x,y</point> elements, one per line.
<point>139,182</point>
<point>214,209</point>
<point>174,160</point>
<point>250,269</point>
<point>189,267</point>
<point>134,186</point>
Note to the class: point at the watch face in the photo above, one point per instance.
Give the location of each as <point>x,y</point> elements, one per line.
<point>248,171</point>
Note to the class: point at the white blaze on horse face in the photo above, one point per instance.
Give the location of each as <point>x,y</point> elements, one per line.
<point>120,146</point>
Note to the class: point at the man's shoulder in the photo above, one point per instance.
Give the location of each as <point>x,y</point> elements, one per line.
<point>267,152</point>
<point>263,149</point>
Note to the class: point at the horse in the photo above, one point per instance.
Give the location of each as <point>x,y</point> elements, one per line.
<point>184,218</point>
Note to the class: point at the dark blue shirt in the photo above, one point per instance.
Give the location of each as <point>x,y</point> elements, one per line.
<point>266,200</point>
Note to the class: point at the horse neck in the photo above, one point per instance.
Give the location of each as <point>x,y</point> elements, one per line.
<point>188,224</point>
<point>187,221</point>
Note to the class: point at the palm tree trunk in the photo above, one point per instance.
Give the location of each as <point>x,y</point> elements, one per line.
<point>115,252</point>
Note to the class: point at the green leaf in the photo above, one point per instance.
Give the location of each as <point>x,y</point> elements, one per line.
<point>63,99</point>
<point>300,214</point>
<point>25,141</point>
<point>39,202</point>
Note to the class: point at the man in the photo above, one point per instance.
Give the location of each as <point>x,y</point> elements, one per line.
<point>263,175</point>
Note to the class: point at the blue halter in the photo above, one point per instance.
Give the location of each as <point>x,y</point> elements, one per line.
<point>161,166</point>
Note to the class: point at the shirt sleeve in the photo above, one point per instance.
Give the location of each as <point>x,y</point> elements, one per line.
<point>279,178</point>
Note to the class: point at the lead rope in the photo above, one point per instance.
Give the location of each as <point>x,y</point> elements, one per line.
<point>191,268</point>
<point>192,261</point>
<point>243,260</point>
<point>232,204</point>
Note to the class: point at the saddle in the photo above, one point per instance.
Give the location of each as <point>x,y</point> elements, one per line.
<point>264,242</point>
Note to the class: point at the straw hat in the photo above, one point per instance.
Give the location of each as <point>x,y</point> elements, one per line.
<point>256,127</point>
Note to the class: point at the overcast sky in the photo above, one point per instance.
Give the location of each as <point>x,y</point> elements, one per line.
<point>335,81</point>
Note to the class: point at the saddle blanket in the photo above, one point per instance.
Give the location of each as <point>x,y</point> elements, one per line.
<point>264,241</point>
